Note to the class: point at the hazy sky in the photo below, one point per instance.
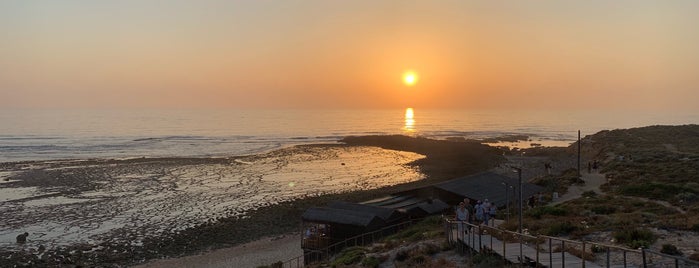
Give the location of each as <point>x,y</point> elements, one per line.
<point>350,54</point>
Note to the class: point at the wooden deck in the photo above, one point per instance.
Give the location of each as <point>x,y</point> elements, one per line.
<point>511,251</point>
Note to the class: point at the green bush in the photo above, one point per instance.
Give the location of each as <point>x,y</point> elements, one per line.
<point>560,228</point>
<point>655,190</point>
<point>372,262</point>
<point>428,228</point>
<point>603,209</point>
<point>348,256</point>
<point>671,250</point>
<point>635,238</point>
<point>695,227</point>
<point>546,210</point>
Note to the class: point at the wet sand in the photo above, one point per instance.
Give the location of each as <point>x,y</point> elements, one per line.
<point>118,212</point>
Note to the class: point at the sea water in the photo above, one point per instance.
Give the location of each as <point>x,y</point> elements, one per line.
<point>80,134</point>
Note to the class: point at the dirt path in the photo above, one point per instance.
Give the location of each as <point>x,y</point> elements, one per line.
<point>593,181</point>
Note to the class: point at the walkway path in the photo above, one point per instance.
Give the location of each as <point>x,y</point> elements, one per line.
<point>593,181</point>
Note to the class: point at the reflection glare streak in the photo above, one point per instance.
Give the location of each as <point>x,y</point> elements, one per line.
<point>409,120</point>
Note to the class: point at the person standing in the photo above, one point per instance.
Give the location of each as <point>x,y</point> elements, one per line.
<point>486,211</point>
<point>479,212</point>
<point>469,208</point>
<point>462,216</point>
<point>492,212</point>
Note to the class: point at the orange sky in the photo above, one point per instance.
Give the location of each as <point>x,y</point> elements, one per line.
<point>350,54</point>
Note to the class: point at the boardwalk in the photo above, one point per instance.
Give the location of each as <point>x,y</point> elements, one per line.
<point>554,252</point>
<point>511,251</point>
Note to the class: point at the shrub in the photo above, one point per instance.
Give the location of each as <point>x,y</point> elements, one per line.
<point>349,256</point>
<point>671,250</point>
<point>603,209</point>
<point>402,255</point>
<point>418,260</point>
<point>589,194</point>
<point>635,238</point>
<point>654,190</point>
<point>547,210</point>
<point>560,228</point>
<point>372,262</point>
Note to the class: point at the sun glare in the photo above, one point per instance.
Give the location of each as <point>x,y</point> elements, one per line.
<point>409,78</point>
<point>409,120</point>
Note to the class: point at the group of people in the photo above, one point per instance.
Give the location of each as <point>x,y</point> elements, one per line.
<point>482,212</point>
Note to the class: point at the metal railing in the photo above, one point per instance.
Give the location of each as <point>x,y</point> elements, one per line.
<point>319,255</point>
<point>555,251</point>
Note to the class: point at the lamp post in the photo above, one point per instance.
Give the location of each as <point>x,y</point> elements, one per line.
<point>507,199</point>
<point>519,175</point>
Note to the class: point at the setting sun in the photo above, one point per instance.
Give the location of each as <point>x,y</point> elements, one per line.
<point>409,78</point>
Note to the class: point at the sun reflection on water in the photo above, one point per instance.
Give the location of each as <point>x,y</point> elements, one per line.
<point>409,120</point>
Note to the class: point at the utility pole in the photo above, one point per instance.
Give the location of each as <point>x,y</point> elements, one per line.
<point>519,175</point>
<point>579,146</point>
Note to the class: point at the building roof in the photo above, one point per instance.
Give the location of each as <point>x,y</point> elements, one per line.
<point>426,207</point>
<point>386,214</point>
<point>489,185</point>
<point>341,216</point>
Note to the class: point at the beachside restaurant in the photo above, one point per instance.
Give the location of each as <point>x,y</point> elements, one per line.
<point>323,226</point>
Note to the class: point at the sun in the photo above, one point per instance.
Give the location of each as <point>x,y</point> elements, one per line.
<point>409,78</point>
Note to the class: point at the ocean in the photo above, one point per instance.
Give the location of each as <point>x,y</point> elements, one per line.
<point>108,133</point>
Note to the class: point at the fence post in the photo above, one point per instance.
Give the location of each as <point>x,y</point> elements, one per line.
<point>537,251</point>
<point>643,255</point>
<point>563,254</point>
<point>624,258</point>
<point>480,238</point>
<point>550,254</point>
<point>583,253</point>
<point>521,256</point>
<point>504,241</point>
<point>608,257</point>
<point>491,241</point>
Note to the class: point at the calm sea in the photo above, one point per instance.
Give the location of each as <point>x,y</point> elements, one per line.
<point>61,134</point>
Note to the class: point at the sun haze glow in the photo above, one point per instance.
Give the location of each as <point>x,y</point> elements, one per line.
<point>409,78</point>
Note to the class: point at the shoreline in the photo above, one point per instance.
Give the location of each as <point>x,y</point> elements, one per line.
<point>444,160</point>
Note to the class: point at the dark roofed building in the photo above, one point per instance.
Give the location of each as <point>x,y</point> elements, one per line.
<point>364,220</point>
<point>481,186</point>
<point>413,207</point>
<point>388,215</point>
<point>324,226</point>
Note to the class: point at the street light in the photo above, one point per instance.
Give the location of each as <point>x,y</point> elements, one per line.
<point>507,199</point>
<point>519,175</point>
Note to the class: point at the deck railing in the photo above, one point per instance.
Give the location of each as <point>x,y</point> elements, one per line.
<point>318,255</point>
<point>579,253</point>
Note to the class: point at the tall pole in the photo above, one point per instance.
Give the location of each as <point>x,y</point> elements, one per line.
<point>519,174</point>
<point>507,201</point>
<point>579,146</point>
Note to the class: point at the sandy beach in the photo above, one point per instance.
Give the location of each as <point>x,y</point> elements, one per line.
<point>116,212</point>
<point>124,204</point>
